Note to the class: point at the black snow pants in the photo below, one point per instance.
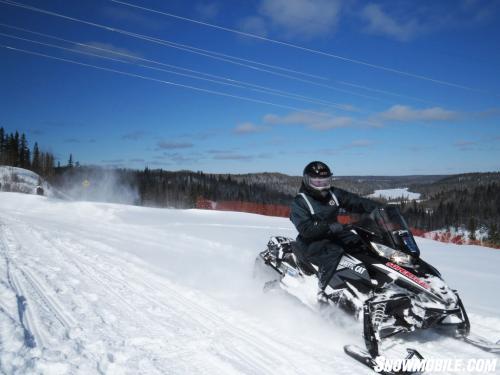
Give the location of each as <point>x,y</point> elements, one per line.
<point>324,254</point>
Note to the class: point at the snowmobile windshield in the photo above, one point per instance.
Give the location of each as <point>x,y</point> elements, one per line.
<point>395,230</point>
<point>389,226</point>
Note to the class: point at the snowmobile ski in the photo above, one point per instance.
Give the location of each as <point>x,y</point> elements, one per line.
<point>481,343</point>
<point>366,359</point>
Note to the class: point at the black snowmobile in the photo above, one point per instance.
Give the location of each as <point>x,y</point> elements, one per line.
<point>381,281</point>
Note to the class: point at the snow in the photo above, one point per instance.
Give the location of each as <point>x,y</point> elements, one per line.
<point>120,289</point>
<point>397,193</point>
<point>480,234</point>
<point>24,181</point>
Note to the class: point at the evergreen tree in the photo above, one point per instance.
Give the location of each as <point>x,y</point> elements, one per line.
<point>24,153</point>
<point>2,145</point>
<point>36,164</point>
<point>494,235</point>
<point>15,151</point>
<point>472,229</point>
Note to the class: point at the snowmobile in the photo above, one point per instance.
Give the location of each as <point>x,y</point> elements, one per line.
<point>381,281</point>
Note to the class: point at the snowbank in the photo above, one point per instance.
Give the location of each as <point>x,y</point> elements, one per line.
<point>23,181</point>
<point>392,194</point>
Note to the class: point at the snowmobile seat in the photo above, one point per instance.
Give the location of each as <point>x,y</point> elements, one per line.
<point>303,265</point>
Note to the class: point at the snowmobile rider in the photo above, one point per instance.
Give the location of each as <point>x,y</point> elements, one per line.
<point>322,239</point>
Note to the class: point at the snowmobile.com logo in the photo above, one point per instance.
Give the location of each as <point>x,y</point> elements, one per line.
<point>434,365</point>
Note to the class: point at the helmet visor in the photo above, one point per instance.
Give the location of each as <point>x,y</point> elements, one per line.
<point>320,183</point>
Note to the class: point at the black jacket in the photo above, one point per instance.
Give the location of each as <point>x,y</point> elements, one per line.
<point>315,227</point>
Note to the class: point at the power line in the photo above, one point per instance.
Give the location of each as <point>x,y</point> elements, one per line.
<point>299,47</point>
<point>191,49</point>
<point>134,57</point>
<point>215,55</point>
<point>175,84</point>
<point>112,59</point>
<point>254,62</point>
<point>171,44</point>
<point>225,81</point>
<point>281,68</point>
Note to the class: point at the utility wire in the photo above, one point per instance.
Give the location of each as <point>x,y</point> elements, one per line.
<point>175,84</point>
<point>226,81</point>
<point>288,70</point>
<point>299,47</point>
<point>227,58</point>
<point>190,49</point>
<point>72,50</point>
<point>215,55</point>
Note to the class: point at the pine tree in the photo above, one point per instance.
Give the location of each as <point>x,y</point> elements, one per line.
<point>48,164</point>
<point>472,229</point>
<point>493,234</point>
<point>15,150</point>
<point>2,145</point>
<point>24,153</point>
<point>36,164</point>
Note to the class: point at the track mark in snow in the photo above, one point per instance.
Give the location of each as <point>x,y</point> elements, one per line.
<point>119,289</point>
<point>23,318</point>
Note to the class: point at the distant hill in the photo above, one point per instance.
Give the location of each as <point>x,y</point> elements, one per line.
<point>363,185</point>
<point>455,182</point>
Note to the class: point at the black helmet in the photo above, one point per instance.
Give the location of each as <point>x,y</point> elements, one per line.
<point>317,176</point>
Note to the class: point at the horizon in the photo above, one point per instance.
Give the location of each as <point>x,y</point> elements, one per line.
<point>372,89</point>
<point>259,172</point>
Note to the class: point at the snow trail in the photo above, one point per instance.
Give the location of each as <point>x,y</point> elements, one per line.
<point>120,289</point>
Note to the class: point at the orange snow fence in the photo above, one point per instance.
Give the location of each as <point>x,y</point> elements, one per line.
<point>250,207</point>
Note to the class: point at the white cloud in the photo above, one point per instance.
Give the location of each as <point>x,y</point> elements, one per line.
<point>253,25</point>
<point>232,156</point>
<point>207,10</point>
<point>404,113</point>
<point>167,145</point>
<point>399,20</point>
<point>128,17</point>
<point>134,136</point>
<point>311,120</point>
<point>405,21</point>
<point>319,121</point>
<point>380,22</point>
<point>248,128</point>
<point>302,18</point>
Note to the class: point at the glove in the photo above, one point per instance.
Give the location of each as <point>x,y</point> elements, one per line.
<point>348,238</point>
<point>331,218</point>
<point>336,228</point>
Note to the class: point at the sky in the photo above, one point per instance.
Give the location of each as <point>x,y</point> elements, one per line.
<point>371,88</point>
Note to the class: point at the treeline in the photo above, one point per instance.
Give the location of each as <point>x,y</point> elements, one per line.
<point>182,189</point>
<point>160,188</point>
<point>15,152</point>
<point>455,182</point>
<point>472,208</point>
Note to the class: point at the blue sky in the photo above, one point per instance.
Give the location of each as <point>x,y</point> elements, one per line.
<point>424,100</point>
